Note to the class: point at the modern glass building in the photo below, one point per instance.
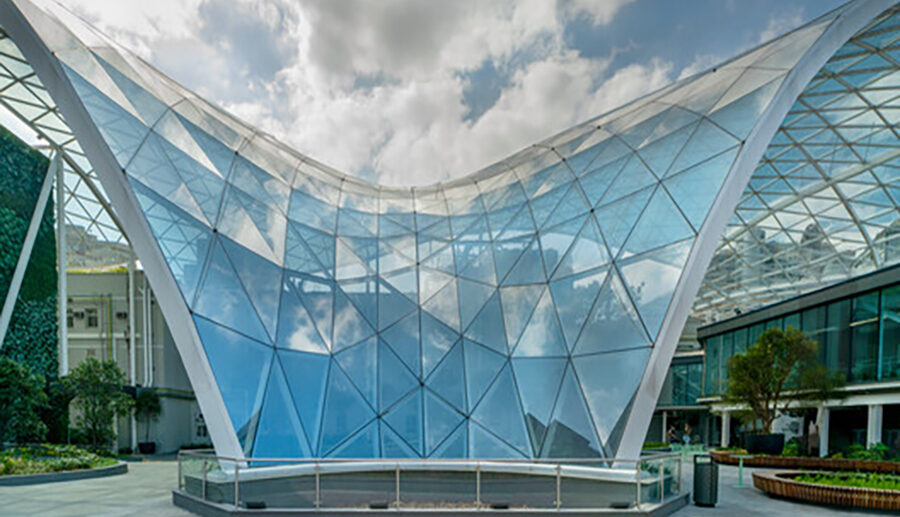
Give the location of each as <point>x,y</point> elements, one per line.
<point>529,309</point>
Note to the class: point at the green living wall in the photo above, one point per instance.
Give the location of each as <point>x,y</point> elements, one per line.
<point>32,335</point>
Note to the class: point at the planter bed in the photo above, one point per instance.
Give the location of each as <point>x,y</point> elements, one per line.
<point>802,462</point>
<point>65,475</point>
<point>780,484</point>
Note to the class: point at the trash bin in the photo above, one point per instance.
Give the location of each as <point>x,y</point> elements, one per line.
<point>706,480</point>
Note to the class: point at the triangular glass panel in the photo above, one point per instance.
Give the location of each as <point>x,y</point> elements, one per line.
<point>633,177</point>
<point>487,327</point>
<point>484,444</point>
<point>394,378</point>
<point>392,446</point>
<point>518,303</point>
<point>222,298</point>
<point>437,339</point>
<point>542,336</point>
<point>499,410</point>
<point>660,154</point>
<point>440,421</point>
<point>617,219</point>
<point>359,363</point>
<point>345,411</point>
<point>739,117</point>
<point>539,382</point>
<point>475,261</point>
<point>707,141</point>
<point>572,205</point>
<point>475,295</point>
<point>456,445</point>
<point>298,256</point>
<point>482,365</point>
<point>279,433</point>
<point>446,379</point>
<point>392,305</point>
<point>596,181</point>
<point>613,323</point>
<point>574,296</point>
<point>362,445</point>
<point>306,375</point>
<point>506,253</point>
<point>555,241</point>
<point>350,327</point>
<point>403,338</point>
<point>241,368</point>
<point>296,330</point>
<point>660,224</point>
<point>609,382</point>
<point>261,281</point>
<point>571,433</point>
<point>651,279</point>
<point>318,298</point>
<point>444,305</point>
<point>588,252</point>
<point>430,282</point>
<point>406,419</point>
<point>529,269</point>
<point>695,189</point>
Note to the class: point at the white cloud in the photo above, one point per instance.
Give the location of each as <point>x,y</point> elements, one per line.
<point>780,23</point>
<point>291,69</point>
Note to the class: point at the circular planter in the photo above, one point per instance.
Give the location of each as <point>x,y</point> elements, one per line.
<point>780,484</point>
<point>66,475</point>
<point>803,462</point>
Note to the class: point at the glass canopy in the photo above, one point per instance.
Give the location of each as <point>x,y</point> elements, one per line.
<point>525,310</point>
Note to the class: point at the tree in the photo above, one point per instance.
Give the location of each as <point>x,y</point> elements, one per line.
<point>21,400</point>
<point>147,407</point>
<point>781,368</point>
<point>99,399</point>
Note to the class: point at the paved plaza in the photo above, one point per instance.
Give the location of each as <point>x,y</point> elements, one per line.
<point>147,491</point>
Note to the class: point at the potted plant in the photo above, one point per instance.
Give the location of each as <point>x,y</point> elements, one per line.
<point>780,369</point>
<point>147,408</point>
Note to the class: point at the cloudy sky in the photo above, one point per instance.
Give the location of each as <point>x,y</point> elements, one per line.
<point>416,91</point>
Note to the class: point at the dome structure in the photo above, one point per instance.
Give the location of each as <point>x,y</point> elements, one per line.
<point>529,309</point>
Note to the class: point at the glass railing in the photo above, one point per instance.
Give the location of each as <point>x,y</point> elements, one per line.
<point>539,484</point>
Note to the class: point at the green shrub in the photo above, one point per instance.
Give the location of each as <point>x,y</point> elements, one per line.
<point>99,399</point>
<point>37,459</point>
<point>21,400</point>
<point>655,445</point>
<point>853,479</point>
<point>791,448</point>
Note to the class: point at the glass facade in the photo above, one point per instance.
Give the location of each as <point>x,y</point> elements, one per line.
<point>857,337</point>
<point>509,313</point>
<point>684,383</point>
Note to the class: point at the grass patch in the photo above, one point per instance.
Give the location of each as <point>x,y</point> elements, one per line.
<point>40,459</point>
<point>854,479</point>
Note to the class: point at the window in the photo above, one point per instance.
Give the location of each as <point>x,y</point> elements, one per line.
<point>91,318</point>
<point>864,338</point>
<point>837,337</point>
<point>890,322</point>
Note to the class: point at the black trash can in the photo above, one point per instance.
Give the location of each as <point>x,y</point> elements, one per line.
<point>706,480</point>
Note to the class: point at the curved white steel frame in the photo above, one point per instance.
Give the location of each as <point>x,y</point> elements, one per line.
<point>719,150</point>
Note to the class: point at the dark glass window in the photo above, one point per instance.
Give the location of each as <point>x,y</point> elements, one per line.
<point>890,321</point>
<point>837,336</point>
<point>792,321</point>
<point>864,338</point>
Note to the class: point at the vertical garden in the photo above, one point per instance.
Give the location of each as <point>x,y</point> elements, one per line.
<point>32,336</point>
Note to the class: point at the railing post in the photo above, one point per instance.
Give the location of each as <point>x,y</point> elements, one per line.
<point>237,485</point>
<point>180,459</point>
<point>478,485</point>
<point>203,481</point>
<point>397,485</point>
<point>558,486</point>
<point>662,481</point>
<point>318,492</point>
<point>680,466</point>
<point>637,478</point>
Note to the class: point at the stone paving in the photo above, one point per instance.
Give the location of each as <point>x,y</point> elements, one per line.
<point>147,491</point>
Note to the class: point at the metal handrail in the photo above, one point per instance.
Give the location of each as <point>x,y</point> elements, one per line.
<point>612,464</point>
